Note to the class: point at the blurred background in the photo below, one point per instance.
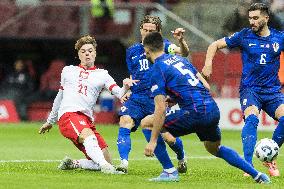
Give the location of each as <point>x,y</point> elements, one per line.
<point>37,40</point>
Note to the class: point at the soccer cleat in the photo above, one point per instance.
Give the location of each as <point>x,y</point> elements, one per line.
<point>272,168</point>
<point>166,177</point>
<point>110,169</point>
<point>262,178</point>
<point>66,164</point>
<point>123,166</point>
<point>182,166</point>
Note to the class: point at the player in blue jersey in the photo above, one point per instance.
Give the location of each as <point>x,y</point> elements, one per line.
<point>140,103</point>
<point>260,87</point>
<point>175,76</point>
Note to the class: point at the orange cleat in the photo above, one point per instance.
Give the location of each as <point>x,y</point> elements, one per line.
<point>272,168</point>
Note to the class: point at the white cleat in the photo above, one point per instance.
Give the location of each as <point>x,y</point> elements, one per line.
<point>66,164</point>
<point>110,169</point>
<point>123,166</point>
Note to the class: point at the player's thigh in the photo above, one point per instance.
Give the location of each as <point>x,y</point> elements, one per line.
<point>72,124</point>
<point>131,114</point>
<point>179,123</point>
<point>274,105</point>
<point>147,122</point>
<point>250,102</point>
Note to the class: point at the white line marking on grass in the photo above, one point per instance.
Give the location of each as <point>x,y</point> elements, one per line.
<point>130,159</point>
<point>116,159</point>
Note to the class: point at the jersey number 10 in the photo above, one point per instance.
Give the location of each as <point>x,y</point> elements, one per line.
<point>193,81</point>
<point>144,64</point>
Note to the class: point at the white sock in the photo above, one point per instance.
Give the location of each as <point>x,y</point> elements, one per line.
<point>170,170</point>
<point>94,151</point>
<point>87,164</point>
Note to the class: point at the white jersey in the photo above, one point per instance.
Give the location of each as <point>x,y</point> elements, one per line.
<point>80,89</point>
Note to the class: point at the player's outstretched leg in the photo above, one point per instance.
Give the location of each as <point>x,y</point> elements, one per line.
<point>124,141</point>
<point>169,174</point>
<point>249,136</point>
<point>94,151</point>
<point>278,137</point>
<point>177,146</point>
<point>67,164</point>
<point>233,158</point>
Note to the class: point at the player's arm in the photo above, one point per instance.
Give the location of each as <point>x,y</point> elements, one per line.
<point>211,51</point>
<point>52,118</point>
<point>203,81</point>
<point>183,48</point>
<point>158,122</point>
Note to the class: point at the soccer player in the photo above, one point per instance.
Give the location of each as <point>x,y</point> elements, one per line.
<point>74,106</point>
<point>140,103</point>
<point>175,76</point>
<point>260,87</point>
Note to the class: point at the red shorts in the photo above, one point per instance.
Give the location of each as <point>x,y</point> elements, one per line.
<point>72,123</point>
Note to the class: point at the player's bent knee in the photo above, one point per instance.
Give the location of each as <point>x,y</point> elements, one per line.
<point>147,122</point>
<point>126,122</point>
<point>168,138</point>
<point>84,134</point>
<point>212,147</point>
<point>251,110</point>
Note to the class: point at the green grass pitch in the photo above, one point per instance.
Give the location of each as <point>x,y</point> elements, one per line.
<point>29,160</point>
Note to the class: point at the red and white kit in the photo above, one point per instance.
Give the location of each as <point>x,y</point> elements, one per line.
<point>75,101</point>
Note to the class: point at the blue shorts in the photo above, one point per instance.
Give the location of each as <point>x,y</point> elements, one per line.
<point>137,109</point>
<point>205,125</point>
<point>268,102</point>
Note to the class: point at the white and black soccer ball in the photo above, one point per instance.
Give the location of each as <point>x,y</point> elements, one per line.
<point>266,150</point>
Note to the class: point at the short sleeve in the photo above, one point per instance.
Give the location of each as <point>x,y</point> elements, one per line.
<point>234,40</point>
<point>158,81</point>
<point>62,80</point>
<point>129,61</point>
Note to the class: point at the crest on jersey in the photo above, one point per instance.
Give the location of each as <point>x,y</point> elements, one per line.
<point>84,75</point>
<point>275,46</point>
<point>83,122</point>
<point>154,87</point>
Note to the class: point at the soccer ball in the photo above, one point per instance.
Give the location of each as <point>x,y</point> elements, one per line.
<point>266,150</point>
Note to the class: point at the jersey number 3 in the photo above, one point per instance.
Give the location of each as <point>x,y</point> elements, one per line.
<point>193,81</point>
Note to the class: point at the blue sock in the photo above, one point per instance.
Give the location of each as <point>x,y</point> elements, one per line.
<point>177,147</point>
<point>249,137</point>
<point>160,151</point>
<point>278,135</point>
<point>233,158</point>
<point>124,142</point>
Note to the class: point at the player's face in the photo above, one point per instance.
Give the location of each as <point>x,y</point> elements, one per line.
<point>147,28</point>
<point>257,20</point>
<point>148,54</point>
<point>87,55</point>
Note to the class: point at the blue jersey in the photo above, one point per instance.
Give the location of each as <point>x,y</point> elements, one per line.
<point>175,76</point>
<point>139,67</point>
<point>260,57</point>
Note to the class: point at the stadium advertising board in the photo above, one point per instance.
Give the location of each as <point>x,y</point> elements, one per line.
<point>232,118</point>
<point>8,112</point>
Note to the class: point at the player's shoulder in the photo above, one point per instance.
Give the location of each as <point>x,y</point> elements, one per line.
<point>70,67</point>
<point>137,47</point>
<point>276,32</point>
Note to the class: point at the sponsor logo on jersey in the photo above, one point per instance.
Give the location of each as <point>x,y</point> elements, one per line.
<point>251,44</point>
<point>154,87</point>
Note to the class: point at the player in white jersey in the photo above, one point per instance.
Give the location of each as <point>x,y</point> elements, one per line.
<point>74,105</point>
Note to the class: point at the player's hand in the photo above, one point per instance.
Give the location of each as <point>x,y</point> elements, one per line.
<point>45,127</point>
<point>129,82</point>
<point>206,72</point>
<point>178,33</point>
<point>125,97</point>
<point>149,149</point>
